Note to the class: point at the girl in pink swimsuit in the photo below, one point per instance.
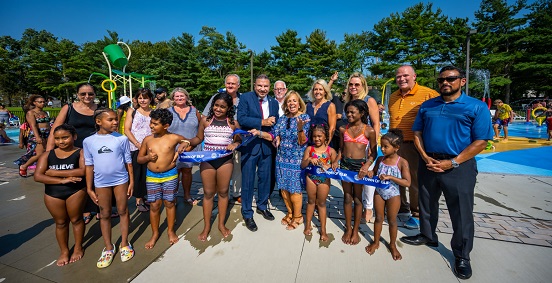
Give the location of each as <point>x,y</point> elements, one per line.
<point>357,138</point>
<point>318,187</point>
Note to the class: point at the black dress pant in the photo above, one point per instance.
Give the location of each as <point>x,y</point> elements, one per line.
<point>457,185</point>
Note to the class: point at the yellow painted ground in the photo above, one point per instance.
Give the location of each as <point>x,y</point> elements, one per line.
<point>515,143</point>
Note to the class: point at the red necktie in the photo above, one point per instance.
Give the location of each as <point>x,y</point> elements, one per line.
<point>261,104</point>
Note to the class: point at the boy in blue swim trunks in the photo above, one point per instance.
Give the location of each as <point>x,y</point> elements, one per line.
<point>158,151</point>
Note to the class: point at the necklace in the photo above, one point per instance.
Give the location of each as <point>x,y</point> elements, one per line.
<point>356,131</point>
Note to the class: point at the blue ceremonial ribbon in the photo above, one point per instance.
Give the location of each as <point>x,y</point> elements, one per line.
<point>202,156</point>
<point>347,176</point>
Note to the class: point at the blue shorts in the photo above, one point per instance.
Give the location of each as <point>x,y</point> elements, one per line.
<point>162,185</point>
<point>503,123</point>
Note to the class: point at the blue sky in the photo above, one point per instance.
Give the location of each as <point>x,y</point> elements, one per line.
<point>255,23</point>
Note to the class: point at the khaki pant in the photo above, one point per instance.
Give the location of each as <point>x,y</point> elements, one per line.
<point>236,181</point>
<point>409,152</point>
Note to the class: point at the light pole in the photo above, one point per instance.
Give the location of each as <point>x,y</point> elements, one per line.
<point>472,31</point>
<point>251,51</point>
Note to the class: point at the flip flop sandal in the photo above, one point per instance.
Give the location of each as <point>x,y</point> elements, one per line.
<point>286,220</point>
<point>23,172</point>
<point>127,253</point>
<point>106,258</point>
<point>87,218</point>
<point>295,223</point>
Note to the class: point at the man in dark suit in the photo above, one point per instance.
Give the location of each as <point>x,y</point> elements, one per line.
<point>257,111</point>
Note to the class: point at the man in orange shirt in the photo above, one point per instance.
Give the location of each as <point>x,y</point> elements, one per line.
<point>403,108</point>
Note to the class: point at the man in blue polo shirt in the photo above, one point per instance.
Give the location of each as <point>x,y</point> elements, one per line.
<point>449,131</point>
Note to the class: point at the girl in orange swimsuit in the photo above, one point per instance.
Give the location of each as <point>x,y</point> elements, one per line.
<point>318,187</point>
<point>356,137</point>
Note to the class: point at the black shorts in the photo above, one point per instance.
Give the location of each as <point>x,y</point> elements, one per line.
<point>216,163</point>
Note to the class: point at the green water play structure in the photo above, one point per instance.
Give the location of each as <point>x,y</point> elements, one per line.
<point>115,57</point>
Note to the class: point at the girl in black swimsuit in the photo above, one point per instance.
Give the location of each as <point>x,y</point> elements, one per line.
<point>62,172</point>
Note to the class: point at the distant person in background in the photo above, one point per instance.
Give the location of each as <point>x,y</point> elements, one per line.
<point>4,115</point>
<point>549,122</point>
<point>3,135</point>
<point>381,109</point>
<point>125,104</point>
<point>503,115</point>
<point>50,102</point>
<point>162,101</point>
<point>39,122</point>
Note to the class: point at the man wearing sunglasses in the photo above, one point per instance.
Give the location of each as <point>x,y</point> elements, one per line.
<point>162,100</point>
<point>403,107</point>
<point>449,131</point>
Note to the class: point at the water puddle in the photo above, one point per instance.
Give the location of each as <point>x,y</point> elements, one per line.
<point>215,237</point>
<point>493,202</point>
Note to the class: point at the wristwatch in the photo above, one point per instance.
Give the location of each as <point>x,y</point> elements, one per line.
<point>454,163</point>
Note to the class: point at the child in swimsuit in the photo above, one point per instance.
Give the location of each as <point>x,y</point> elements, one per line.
<point>109,172</point>
<point>318,187</point>
<point>158,151</point>
<point>62,171</point>
<point>358,140</point>
<point>217,130</point>
<point>395,169</point>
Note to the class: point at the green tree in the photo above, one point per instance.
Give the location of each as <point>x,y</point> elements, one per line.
<point>534,72</point>
<point>12,71</point>
<point>497,47</point>
<point>288,61</point>
<point>321,56</point>
<point>219,55</point>
<point>420,36</point>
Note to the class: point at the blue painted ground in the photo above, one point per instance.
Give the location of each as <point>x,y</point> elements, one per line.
<point>533,161</point>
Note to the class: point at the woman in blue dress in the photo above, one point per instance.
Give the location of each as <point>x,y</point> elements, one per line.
<point>290,138</point>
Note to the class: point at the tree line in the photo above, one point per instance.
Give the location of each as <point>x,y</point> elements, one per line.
<point>513,42</point>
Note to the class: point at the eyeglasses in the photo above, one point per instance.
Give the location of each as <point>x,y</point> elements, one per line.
<point>355,85</point>
<point>87,93</point>
<point>279,89</point>
<point>40,101</point>
<point>448,79</point>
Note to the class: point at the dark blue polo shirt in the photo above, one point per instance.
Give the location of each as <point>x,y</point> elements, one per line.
<point>449,128</point>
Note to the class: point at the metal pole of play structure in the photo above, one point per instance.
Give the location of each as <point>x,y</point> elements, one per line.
<point>115,56</point>
<point>383,90</point>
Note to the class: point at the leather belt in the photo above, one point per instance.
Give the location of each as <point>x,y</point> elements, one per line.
<point>440,156</point>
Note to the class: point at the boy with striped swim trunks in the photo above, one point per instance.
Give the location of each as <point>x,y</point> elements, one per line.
<point>158,151</point>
